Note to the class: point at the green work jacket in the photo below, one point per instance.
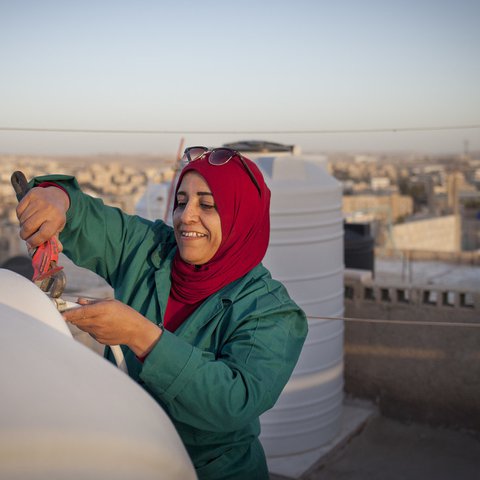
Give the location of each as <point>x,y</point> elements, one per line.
<point>224,366</point>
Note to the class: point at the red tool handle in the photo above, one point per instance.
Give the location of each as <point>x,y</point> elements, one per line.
<point>44,260</point>
<point>44,257</point>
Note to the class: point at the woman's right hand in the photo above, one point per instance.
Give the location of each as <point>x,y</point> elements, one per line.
<point>42,214</point>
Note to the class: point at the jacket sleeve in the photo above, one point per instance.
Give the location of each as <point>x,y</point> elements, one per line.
<point>102,238</point>
<point>224,392</point>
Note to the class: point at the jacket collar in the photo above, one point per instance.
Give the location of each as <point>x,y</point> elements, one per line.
<point>213,304</point>
<point>221,300</point>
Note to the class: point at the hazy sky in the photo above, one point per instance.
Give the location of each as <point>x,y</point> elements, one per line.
<point>248,66</point>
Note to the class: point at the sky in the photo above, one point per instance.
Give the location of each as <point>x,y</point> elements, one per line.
<point>217,71</point>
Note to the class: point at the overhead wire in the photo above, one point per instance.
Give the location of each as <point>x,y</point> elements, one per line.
<point>242,132</point>
<point>399,322</point>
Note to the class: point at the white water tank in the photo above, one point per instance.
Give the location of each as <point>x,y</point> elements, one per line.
<point>22,295</point>
<point>306,254</point>
<point>153,203</point>
<point>66,412</point>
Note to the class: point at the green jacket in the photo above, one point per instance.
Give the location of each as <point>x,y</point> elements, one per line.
<point>224,366</point>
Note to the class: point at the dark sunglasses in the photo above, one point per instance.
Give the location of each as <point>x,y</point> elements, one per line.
<point>218,156</point>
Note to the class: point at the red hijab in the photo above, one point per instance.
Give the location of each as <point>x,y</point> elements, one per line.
<point>245,221</point>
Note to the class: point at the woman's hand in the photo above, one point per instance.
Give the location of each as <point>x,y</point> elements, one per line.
<point>111,322</point>
<point>42,214</point>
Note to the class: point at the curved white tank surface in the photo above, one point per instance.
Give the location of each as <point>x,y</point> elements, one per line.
<point>19,293</point>
<point>65,412</point>
<point>306,254</point>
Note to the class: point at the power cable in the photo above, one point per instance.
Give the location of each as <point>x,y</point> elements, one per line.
<point>241,132</point>
<point>400,322</point>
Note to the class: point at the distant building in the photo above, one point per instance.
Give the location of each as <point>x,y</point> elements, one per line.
<point>441,234</point>
<point>388,208</point>
<point>379,183</point>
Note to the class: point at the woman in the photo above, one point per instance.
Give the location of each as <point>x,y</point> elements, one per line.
<point>204,328</point>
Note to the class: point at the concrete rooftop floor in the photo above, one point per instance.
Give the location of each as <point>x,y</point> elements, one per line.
<point>386,449</point>
<point>427,272</point>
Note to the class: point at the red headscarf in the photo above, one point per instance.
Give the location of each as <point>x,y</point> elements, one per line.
<point>245,220</point>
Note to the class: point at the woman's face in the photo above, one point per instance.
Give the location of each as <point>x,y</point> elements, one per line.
<point>196,221</point>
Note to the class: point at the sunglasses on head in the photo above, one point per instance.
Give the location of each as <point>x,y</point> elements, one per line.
<point>218,156</point>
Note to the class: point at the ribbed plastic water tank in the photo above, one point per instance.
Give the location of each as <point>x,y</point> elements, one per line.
<point>306,255</point>
<point>153,203</point>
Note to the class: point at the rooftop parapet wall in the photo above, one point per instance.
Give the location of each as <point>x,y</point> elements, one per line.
<point>416,351</point>
<point>389,297</point>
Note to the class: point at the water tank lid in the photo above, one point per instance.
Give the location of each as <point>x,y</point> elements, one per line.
<point>259,146</point>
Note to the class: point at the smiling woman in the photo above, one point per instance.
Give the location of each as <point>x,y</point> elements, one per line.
<point>204,328</point>
<point>196,221</point>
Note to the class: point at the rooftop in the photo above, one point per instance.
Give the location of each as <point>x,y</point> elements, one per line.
<point>427,272</point>
<point>386,449</point>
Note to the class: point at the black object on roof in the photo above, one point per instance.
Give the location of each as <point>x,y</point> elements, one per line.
<point>20,264</point>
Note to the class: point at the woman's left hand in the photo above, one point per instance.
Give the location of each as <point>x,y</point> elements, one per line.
<point>111,322</point>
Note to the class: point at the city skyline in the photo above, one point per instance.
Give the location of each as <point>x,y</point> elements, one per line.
<point>357,76</point>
